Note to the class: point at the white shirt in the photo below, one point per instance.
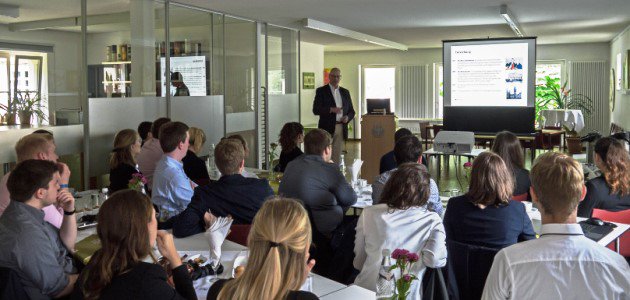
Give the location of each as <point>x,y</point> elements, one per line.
<point>415,229</point>
<point>561,264</point>
<point>338,101</point>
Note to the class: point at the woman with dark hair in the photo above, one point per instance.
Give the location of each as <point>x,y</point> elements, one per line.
<point>507,145</point>
<point>400,220</point>
<point>291,136</point>
<point>122,164</point>
<point>144,130</point>
<point>486,216</point>
<point>127,229</point>
<point>611,190</point>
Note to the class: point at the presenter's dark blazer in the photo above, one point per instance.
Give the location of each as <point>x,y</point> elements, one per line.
<point>324,100</point>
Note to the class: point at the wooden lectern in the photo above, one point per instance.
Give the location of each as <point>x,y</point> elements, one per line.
<point>377,138</point>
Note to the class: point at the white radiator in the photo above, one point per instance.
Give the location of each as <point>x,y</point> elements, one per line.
<point>590,78</point>
<point>413,99</point>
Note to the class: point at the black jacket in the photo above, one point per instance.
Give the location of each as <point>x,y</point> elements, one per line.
<point>286,158</point>
<point>598,196</point>
<point>324,100</point>
<point>195,168</point>
<point>119,177</point>
<point>145,281</point>
<point>232,195</point>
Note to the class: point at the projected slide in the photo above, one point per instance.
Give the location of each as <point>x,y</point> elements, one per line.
<point>489,74</point>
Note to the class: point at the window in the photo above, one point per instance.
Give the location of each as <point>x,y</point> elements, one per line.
<point>27,81</point>
<point>380,83</point>
<point>552,69</point>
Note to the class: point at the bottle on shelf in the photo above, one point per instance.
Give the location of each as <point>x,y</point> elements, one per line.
<point>386,283</point>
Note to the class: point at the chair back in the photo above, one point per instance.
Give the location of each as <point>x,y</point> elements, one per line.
<point>10,285</point>
<point>238,233</point>
<point>619,217</point>
<point>521,197</point>
<point>468,266</point>
<point>424,134</point>
<point>436,129</point>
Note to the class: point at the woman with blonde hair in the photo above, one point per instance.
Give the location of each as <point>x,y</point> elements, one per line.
<point>127,229</point>
<point>278,262</point>
<point>486,215</point>
<point>611,190</point>
<point>195,167</point>
<point>122,164</point>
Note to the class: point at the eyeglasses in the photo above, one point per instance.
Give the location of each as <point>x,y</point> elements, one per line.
<point>335,76</point>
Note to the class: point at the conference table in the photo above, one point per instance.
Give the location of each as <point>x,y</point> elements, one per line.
<point>323,287</point>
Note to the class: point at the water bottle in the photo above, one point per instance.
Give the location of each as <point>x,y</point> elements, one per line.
<point>342,165</point>
<point>102,197</point>
<point>385,284</point>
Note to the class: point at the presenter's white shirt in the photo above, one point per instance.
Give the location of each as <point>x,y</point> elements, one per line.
<point>561,264</point>
<point>338,101</point>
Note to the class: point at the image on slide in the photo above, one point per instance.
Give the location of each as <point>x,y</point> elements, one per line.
<point>513,63</point>
<point>514,76</point>
<point>514,91</point>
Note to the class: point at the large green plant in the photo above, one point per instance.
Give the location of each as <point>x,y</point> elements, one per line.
<point>553,95</point>
<point>25,102</point>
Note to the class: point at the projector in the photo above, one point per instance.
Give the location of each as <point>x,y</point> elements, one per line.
<point>454,141</point>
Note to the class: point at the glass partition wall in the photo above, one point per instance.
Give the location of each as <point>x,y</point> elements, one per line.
<point>117,63</point>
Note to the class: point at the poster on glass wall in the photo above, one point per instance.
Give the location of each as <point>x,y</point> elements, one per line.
<point>193,74</point>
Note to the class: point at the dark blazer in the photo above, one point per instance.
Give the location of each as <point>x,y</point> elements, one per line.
<point>388,162</point>
<point>324,100</point>
<point>232,195</point>
<point>321,187</point>
<point>195,168</point>
<point>145,281</point>
<point>493,227</point>
<point>523,183</point>
<point>286,158</point>
<point>119,177</point>
<point>598,196</point>
<point>215,289</point>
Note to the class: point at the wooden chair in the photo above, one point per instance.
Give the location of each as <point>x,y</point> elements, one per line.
<point>619,217</point>
<point>238,233</point>
<point>424,134</point>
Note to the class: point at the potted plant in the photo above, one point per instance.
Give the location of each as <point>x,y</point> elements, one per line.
<point>27,106</point>
<point>574,146</point>
<point>552,95</point>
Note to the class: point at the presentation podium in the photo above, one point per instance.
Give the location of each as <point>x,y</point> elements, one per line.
<point>377,138</point>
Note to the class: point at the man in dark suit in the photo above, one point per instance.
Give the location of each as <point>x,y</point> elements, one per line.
<point>333,105</point>
<point>232,194</point>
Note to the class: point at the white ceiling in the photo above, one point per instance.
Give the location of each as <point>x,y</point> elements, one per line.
<point>416,23</point>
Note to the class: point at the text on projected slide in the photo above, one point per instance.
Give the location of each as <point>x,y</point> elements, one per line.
<point>489,75</point>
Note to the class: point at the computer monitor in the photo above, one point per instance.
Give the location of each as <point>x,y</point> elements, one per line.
<point>376,106</point>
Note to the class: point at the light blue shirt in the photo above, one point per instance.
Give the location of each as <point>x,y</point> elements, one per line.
<point>171,189</point>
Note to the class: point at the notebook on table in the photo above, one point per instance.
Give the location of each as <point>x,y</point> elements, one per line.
<point>595,232</point>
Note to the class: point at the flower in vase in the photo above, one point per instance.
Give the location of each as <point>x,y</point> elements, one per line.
<point>399,253</point>
<point>407,277</point>
<point>137,181</point>
<point>413,257</point>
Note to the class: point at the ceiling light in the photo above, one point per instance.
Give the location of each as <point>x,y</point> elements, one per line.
<point>12,11</point>
<point>329,28</point>
<point>511,20</point>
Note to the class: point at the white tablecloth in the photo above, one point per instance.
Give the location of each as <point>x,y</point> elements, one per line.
<point>562,117</point>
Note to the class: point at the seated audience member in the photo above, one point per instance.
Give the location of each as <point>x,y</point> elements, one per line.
<point>151,151</point>
<point>401,220</point>
<point>278,261</point>
<point>172,189</point>
<point>408,149</point>
<point>241,140</point>
<point>122,163</point>
<point>124,267</point>
<point>507,145</point>
<point>195,167</point>
<point>232,194</point>
<point>388,162</point>
<point>42,146</point>
<point>291,136</point>
<point>562,263</point>
<point>611,190</point>
<point>486,216</point>
<point>144,130</point>
<point>318,183</point>
<point>30,246</point>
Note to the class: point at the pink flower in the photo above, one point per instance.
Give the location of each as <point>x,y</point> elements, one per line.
<point>467,164</point>
<point>399,253</point>
<point>407,277</point>
<point>413,257</point>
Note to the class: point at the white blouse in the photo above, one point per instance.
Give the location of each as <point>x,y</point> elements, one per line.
<point>415,229</point>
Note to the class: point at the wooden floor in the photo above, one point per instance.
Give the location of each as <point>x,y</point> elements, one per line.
<point>448,181</point>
